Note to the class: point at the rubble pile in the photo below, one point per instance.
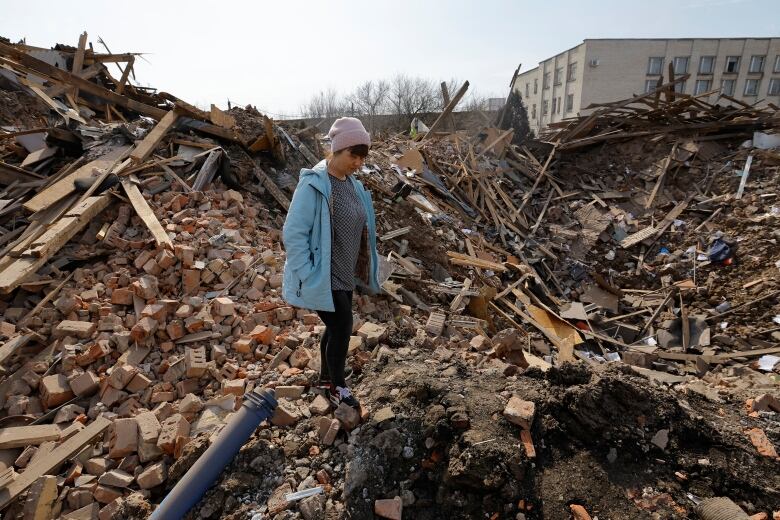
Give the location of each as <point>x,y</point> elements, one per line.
<point>584,325</point>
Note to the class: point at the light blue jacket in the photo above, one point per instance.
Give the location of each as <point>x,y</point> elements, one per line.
<point>307,236</point>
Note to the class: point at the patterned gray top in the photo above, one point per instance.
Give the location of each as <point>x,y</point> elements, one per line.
<point>348,220</point>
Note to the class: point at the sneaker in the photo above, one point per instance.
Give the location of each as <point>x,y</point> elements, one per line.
<point>340,395</point>
<point>324,382</point>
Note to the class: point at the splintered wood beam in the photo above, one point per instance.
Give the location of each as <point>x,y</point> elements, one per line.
<point>448,109</point>
<point>78,60</point>
<point>146,214</point>
<point>83,84</point>
<point>469,261</point>
<point>125,73</point>
<point>21,436</point>
<point>661,176</point>
<point>50,242</point>
<point>149,144</point>
<point>52,460</point>
<point>65,186</point>
<point>271,186</point>
<point>10,174</point>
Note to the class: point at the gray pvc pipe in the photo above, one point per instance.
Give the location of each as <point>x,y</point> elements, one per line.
<point>258,406</point>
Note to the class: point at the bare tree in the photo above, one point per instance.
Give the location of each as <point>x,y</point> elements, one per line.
<point>369,98</point>
<point>325,103</point>
<point>409,97</point>
<point>475,101</point>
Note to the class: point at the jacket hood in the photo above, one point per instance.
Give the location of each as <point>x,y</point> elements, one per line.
<point>317,176</point>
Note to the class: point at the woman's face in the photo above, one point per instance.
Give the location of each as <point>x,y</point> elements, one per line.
<point>347,162</point>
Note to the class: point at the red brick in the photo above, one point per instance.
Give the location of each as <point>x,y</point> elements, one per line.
<point>195,362</point>
<point>152,476</point>
<point>55,390</point>
<point>190,279</point>
<point>138,383</point>
<point>122,296</point>
<point>262,334</point>
<point>123,438</point>
<point>121,376</point>
<point>143,329</point>
<point>223,306</point>
<point>173,427</point>
<point>84,384</point>
<point>391,508</point>
<point>77,329</point>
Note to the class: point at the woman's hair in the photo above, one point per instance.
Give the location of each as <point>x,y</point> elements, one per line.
<point>361,150</point>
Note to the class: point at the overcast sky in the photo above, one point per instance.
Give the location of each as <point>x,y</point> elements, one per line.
<point>276,54</point>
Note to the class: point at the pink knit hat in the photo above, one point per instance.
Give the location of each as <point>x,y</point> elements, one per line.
<point>346,132</point>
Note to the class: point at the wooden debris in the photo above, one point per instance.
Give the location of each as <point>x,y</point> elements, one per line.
<point>52,460</point>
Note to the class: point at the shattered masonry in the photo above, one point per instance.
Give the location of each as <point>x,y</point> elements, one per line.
<point>585,325</point>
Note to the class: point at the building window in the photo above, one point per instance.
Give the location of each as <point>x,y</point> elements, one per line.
<point>536,85</point>
<point>777,63</point>
<point>555,104</point>
<point>544,107</point>
<point>559,104</point>
<point>727,87</point>
<point>756,64</point>
<point>570,102</point>
<point>533,111</point>
<point>707,65</point>
<point>732,64</point>
<point>558,74</point>
<point>527,90</point>
<point>702,86</point>
<point>650,85</point>
<point>679,87</point>
<point>655,65</point>
<point>546,80</point>
<point>571,74</point>
<point>751,87</point>
<point>774,87</point>
<point>681,64</point>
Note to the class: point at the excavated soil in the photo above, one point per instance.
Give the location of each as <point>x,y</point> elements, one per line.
<point>449,453</point>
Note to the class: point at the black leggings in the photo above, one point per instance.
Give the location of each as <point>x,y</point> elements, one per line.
<point>335,341</point>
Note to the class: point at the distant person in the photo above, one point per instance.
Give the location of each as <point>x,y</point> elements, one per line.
<point>330,238</point>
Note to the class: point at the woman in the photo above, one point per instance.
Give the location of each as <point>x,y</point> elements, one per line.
<point>330,238</point>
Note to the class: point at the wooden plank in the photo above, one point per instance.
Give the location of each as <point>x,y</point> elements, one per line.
<point>744,178</point>
<point>147,215</point>
<point>78,59</point>
<point>208,170</point>
<point>639,236</point>
<point>462,294</point>
<point>53,460</point>
<point>88,73</point>
<point>744,305</point>
<point>65,186</point>
<point>12,345</point>
<point>120,88</point>
<point>65,112</point>
<point>10,174</point>
<point>19,270</point>
<point>21,436</point>
<point>395,233</point>
<point>447,110</point>
<point>83,84</point>
<point>149,144</point>
<point>271,186</point>
<point>41,304</point>
<point>495,141</point>
<point>461,259</point>
<point>65,228</point>
<point>445,95</point>
<point>661,177</point>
